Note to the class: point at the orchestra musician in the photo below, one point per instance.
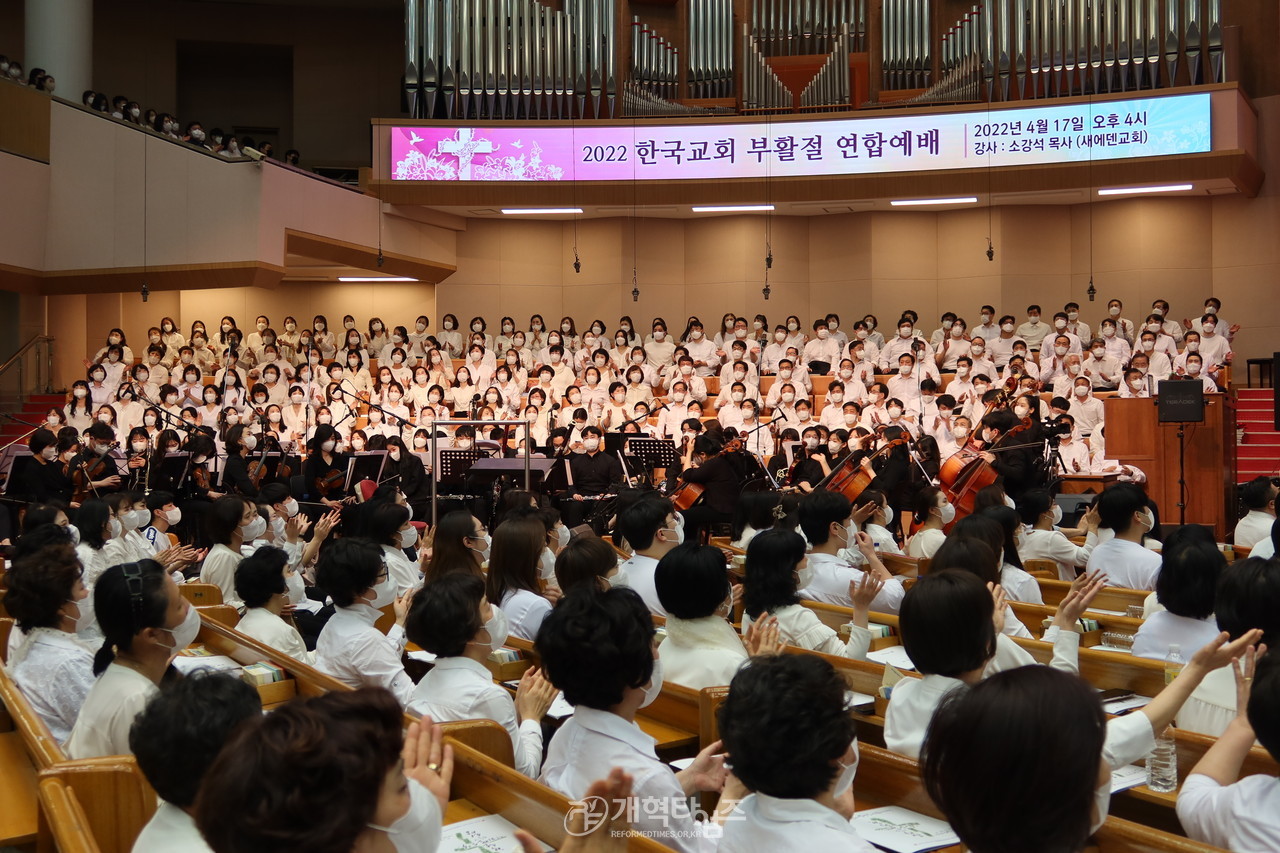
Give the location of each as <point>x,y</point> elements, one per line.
<point>45,478</point>
<point>97,471</point>
<point>594,473</point>
<point>707,464</point>
<point>325,469</point>
<point>235,475</point>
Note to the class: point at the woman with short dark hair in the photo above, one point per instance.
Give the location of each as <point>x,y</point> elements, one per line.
<point>262,586</point>
<point>51,666</point>
<point>794,746</point>
<point>327,777</point>
<point>453,620</point>
<point>1190,567</point>
<point>776,570</point>
<point>350,647</point>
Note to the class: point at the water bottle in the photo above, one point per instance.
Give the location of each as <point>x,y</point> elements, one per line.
<point>1162,764</point>
<point>1173,663</point>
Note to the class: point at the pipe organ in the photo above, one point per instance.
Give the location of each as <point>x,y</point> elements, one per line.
<point>525,59</point>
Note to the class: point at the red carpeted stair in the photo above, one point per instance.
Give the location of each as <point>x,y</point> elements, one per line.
<point>1259,453</point>
<point>31,410</point>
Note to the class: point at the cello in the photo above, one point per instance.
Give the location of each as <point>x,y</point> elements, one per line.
<point>850,479</point>
<point>687,494</point>
<point>966,473</point>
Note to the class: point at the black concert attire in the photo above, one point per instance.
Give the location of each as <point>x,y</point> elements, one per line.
<point>721,488</point>
<point>110,468</point>
<point>316,469</point>
<point>593,474</point>
<point>235,477</point>
<point>45,481</point>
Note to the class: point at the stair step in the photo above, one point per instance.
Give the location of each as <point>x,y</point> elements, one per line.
<point>1260,452</point>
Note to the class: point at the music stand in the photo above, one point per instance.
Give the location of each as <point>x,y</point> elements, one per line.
<point>365,465</point>
<point>13,461</point>
<point>614,441</point>
<point>454,465</point>
<point>1181,402</point>
<point>172,469</point>
<point>654,452</point>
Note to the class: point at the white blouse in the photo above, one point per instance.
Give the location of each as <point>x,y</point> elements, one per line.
<point>525,611</point>
<point>700,653</point>
<point>1161,629</point>
<point>219,568</point>
<point>799,626</point>
<point>54,671</point>
<point>463,689</point>
<point>926,543</point>
<point>269,629</point>
<point>116,698</point>
<point>764,824</point>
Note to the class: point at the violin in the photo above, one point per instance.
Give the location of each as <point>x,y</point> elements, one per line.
<point>328,482</point>
<point>84,475</point>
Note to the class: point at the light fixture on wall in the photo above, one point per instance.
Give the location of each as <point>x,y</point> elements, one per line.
<point>732,208</point>
<point>146,294</point>
<point>918,202</point>
<point>375,278</point>
<point>1168,188</point>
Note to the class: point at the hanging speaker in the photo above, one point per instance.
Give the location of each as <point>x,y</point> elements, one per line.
<point>1181,402</point>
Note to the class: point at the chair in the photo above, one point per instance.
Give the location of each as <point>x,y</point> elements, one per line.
<point>485,736</point>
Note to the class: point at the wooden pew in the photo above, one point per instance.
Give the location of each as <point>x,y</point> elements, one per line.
<point>114,796</point>
<point>911,567</point>
<point>68,825</point>
<point>1110,598</point>
<point>1033,616</point>
<point>201,594</point>
<point>887,778</point>
<point>7,626</point>
<point>223,614</point>
<point>484,736</point>
<point>303,680</point>
<point>484,786</point>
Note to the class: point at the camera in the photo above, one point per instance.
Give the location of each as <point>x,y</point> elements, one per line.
<point>1054,429</point>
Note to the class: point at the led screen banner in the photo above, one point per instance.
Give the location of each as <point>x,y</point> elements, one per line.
<point>1029,136</point>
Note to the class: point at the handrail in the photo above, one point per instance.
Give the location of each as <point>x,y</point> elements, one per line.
<point>16,358</point>
<point>22,350</point>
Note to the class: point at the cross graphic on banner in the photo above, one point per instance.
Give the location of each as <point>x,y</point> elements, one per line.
<point>464,147</point>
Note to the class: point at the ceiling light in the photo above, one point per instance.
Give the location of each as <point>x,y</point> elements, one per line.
<point>375,278</point>
<point>734,208</point>
<point>914,202</point>
<point>538,210</point>
<point>1169,188</point>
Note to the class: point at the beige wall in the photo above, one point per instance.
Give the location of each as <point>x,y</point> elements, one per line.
<point>346,63</point>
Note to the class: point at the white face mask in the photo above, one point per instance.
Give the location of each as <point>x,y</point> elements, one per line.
<point>384,593</point>
<point>960,432</point>
<point>591,445</point>
<point>888,515</point>
<point>408,537</point>
<point>947,512</point>
<point>654,687</point>
<point>483,552</point>
<point>184,633</point>
<point>804,577</point>
<point>85,617</point>
<point>847,771</point>
<point>497,628</point>
<point>1007,327</point>
<point>114,528</point>
<point>254,528</point>
<point>417,831</point>
<point>1101,805</point>
<point>135,518</point>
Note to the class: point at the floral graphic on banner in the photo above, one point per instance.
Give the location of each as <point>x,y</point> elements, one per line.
<point>468,156</point>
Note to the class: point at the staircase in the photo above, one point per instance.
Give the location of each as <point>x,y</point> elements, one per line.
<point>32,410</point>
<point>1259,453</point>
